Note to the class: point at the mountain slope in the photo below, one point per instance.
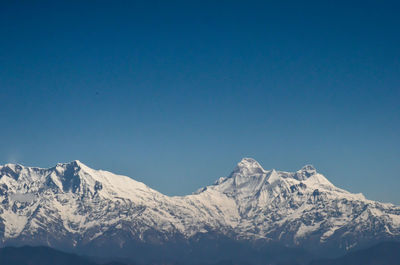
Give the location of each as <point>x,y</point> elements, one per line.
<point>72,206</point>
<point>387,253</point>
<point>39,256</point>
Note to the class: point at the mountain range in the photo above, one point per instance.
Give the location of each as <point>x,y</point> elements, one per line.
<point>255,213</point>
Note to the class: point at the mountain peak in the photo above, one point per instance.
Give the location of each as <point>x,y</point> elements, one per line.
<point>305,172</point>
<point>308,168</point>
<point>76,163</point>
<point>248,166</point>
<point>14,167</point>
<point>73,164</point>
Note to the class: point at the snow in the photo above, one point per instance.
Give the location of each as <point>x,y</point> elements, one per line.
<point>23,197</point>
<point>303,230</point>
<point>395,220</point>
<point>251,203</point>
<point>14,224</point>
<point>247,167</point>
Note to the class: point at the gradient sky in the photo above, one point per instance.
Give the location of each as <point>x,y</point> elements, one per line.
<point>175,94</point>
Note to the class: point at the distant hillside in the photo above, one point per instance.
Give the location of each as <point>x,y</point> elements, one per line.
<point>387,253</point>
<point>41,256</point>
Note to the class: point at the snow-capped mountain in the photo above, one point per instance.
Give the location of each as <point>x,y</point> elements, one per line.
<point>71,206</point>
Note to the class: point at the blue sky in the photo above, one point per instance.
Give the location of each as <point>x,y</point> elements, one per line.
<point>175,94</point>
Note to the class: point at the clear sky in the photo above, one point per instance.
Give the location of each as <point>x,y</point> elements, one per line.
<point>174,94</point>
